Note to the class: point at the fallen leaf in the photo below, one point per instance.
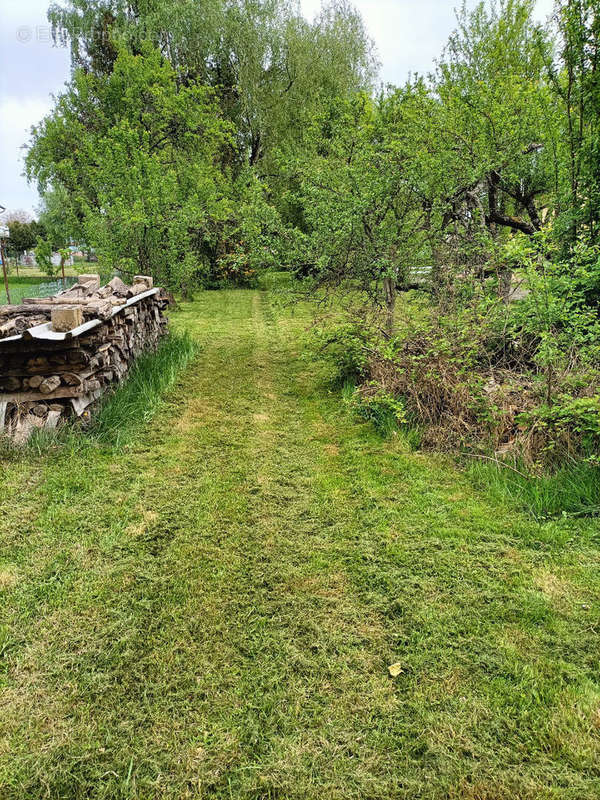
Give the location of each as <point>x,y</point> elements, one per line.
<point>395,670</point>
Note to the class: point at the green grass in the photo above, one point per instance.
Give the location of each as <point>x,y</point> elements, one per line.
<point>141,397</point>
<point>572,490</point>
<point>122,413</point>
<point>209,609</point>
<point>28,286</point>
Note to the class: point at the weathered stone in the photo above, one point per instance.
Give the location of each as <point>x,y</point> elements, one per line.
<point>65,319</point>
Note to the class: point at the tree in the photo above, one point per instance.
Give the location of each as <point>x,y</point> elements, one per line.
<point>575,79</point>
<point>133,160</point>
<point>268,65</point>
<point>43,257</point>
<point>56,217</point>
<point>23,236</point>
<point>498,135</point>
<point>360,199</point>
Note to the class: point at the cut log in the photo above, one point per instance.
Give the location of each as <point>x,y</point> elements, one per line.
<point>66,319</point>
<point>53,418</point>
<point>36,370</point>
<point>91,281</point>
<point>119,288</point>
<point>50,384</point>
<point>146,279</point>
<point>71,378</point>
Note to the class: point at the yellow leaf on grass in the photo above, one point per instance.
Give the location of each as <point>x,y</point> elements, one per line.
<point>395,670</point>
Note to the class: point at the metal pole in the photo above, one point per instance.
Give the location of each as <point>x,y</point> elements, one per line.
<point>3,253</point>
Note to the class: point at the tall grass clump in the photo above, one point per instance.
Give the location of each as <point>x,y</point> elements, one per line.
<point>139,398</point>
<point>571,490</point>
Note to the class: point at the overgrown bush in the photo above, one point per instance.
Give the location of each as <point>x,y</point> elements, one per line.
<point>385,411</point>
<point>513,379</point>
<point>346,346</point>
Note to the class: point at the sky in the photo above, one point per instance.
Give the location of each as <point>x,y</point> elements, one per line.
<point>408,34</point>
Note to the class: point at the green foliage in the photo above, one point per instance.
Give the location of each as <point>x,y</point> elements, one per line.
<point>357,188</point>
<point>571,423</point>
<point>43,257</point>
<point>57,215</point>
<point>344,345</point>
<point>23,236</point>
<point>576,86</point>
<point>270,68</point>
<point>385,411</point>
<point>209,144</point>
<point>251,238</point>
<point>572,490</point>
<point>174,113</point>
<point>136,401</point>
<point>144,177</point>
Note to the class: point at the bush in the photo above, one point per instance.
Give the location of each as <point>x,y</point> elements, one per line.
<point>345,346</point>
<point>469,384</point>
<point>386,412</point>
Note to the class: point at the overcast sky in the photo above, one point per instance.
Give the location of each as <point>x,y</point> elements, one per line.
<point>408,34</point>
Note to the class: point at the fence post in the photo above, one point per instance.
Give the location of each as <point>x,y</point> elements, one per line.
<point>3,254</point>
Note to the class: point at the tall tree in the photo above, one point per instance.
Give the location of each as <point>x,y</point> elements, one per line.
<point>498,130</point>
<point>575,75</point>
<point>135,160</point>
<point>361,201</point>
<point>268,64</point>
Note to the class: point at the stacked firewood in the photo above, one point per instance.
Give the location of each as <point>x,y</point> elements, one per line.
<point>59,355</point>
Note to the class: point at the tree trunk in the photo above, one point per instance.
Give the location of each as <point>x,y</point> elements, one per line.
<point>389,288</point>
<point>3,255</point>
<point>505,283</point>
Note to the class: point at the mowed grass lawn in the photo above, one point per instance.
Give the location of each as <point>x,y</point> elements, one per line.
<point>211,611</point>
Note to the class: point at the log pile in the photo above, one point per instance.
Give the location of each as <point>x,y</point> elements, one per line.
<point>60,354</point>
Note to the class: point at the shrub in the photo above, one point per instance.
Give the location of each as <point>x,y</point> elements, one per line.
<point>345,346</point>
<point>385,411</point>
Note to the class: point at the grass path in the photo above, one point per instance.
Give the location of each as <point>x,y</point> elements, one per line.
<point>210,613</point>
